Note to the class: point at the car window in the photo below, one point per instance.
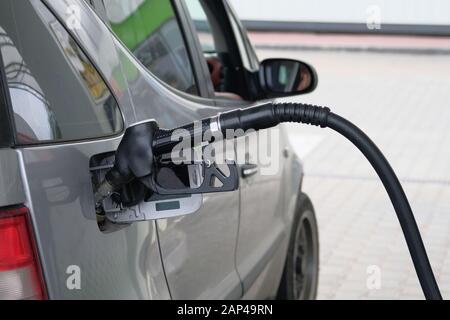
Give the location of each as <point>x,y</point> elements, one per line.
<point>150,30</point>
<point>219,50</point>
<point>56,93</point>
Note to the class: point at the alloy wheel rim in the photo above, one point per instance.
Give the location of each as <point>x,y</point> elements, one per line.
<point>303,260</point>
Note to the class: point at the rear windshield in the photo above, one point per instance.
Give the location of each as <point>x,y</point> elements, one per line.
<point>56,93</point>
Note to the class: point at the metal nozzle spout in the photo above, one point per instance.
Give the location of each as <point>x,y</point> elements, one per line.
<point>104,190</point>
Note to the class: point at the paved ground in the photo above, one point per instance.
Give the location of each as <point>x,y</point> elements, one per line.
<point>403,102</point>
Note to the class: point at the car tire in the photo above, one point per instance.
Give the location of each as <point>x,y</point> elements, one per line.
<point>301,271</point>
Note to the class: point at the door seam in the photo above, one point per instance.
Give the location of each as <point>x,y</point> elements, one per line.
<point>162,260</point>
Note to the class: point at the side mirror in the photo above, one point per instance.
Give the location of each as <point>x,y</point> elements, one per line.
<point>285,77</point>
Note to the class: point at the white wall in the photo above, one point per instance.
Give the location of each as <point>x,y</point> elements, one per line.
<point>422,12</point>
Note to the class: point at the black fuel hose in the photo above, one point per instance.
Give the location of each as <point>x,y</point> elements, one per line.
<point>398,199</point>
<point>273,114</point>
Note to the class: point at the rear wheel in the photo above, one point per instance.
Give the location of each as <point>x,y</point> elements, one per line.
<point>301,272</point>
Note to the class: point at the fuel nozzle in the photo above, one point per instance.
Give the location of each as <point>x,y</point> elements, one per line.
<point>141,144</point>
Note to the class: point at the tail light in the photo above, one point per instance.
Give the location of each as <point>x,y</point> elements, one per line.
<point>20,271</point>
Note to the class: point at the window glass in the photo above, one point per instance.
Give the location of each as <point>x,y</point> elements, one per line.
<point>150,30</point>
<point>240,43</point>
<point>202,25</point>
<point>5,126</point>
<point>56,93</point>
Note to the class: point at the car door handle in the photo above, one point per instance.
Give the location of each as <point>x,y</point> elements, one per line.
<point>249,170</point>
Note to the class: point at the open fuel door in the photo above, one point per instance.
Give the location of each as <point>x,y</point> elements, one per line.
<point>136,203</point>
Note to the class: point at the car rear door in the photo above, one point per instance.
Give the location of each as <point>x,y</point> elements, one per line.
<point>65,111</point>
<point>263,226</point>
<point>198,250</point>
<point>262,246</point>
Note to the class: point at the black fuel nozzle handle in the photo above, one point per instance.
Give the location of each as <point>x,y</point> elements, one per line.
<point>140,145</point>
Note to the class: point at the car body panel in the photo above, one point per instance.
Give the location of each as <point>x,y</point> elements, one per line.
<point>11,186</point>
<point>125,264</point>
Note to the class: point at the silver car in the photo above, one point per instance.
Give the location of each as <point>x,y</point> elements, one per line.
<point>74,75</point>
